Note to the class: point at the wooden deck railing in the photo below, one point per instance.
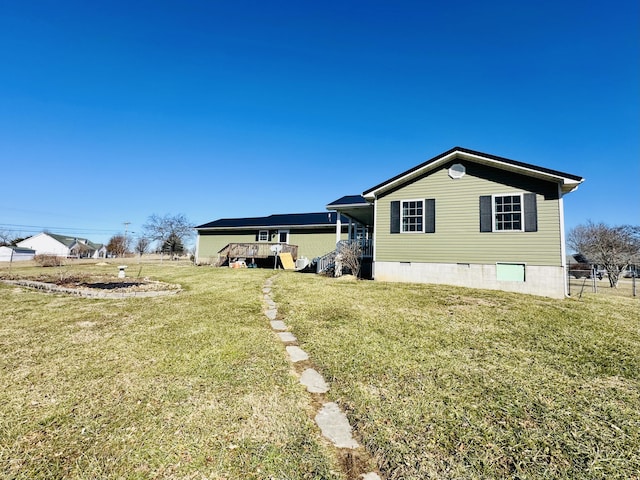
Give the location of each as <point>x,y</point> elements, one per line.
<point>253,250</point>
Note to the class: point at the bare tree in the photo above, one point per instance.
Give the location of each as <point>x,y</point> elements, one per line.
<point>350,258</point>
<point>168,229</point>
<point>613,248</point>
<point>6,238</point>
<point>142,245</point>
<point>117,245</point>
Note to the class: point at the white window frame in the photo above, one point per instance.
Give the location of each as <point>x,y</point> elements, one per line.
<point>287,236</point>
<point>402,216</point>
<point>266,235</point>
<point>494,213</point>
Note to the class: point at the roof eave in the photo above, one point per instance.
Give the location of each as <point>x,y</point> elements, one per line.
<point>568,184</point>
<point>265,227</point>
<point>348,205</point>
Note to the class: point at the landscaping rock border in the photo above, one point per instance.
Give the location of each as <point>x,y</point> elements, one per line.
<point>87,292</point>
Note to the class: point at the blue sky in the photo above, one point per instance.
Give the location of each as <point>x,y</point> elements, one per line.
<point>113,111</point>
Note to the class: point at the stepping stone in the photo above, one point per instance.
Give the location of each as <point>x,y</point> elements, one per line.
<point>287,337</point>
<point>370,476</point>
<point>297,354</point>
<point>266,290</point>
<point>278,325</point>
<point>335,426</point>
<point>313,381</point>
<point>271,313</point>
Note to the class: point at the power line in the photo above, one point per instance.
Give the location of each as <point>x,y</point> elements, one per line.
<point>13,226</point>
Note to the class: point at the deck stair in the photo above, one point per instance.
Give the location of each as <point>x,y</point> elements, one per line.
<point>325,262</point>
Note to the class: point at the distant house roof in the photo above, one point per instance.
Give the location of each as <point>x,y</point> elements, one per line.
<point>275,221</point>
<point>63,239</point>
<point>68,241</point>
<point>567,181</point>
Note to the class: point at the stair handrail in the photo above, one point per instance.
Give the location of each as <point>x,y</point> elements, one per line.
<point>326,261</point>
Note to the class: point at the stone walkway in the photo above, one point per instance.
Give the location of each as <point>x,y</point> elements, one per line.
<point>331,420</point>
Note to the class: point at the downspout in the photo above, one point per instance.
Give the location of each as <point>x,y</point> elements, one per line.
<point>563,250</point>
<point>197,248</point>
<point>375,237</point>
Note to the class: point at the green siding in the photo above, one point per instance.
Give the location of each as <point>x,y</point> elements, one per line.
<point>314,243</point>
<point>209,245</point>
<point>458,238</point>
<point>311,242</point>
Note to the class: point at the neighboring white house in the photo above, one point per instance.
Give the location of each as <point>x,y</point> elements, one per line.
<point>16,254</point>
<point>63,246</point>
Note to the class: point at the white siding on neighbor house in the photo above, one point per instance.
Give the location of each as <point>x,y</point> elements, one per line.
<point>43,244</point>
<point>6,255</point>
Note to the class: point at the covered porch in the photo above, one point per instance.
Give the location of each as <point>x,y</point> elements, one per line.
<point>359,212</point>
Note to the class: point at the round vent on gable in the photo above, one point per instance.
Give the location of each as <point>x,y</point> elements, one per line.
<point>457,170</point>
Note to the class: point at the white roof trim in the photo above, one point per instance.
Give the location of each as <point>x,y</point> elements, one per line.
<point>567,184</point>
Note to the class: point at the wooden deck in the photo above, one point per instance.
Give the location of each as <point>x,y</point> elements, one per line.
<point>253,250</point>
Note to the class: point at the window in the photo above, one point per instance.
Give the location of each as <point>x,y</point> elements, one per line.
<point>413,216</point>
<point>263,236</point>
<point>507,212</point>
<point>283,236</point>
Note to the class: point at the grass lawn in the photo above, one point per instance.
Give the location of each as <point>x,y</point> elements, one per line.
<point>444,382</point>
<point>439,382</point>
<point>188,386</point>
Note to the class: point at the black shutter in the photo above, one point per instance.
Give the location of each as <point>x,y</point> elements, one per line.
<point>395,217</point>
<point>530,212</point>
<point>430,215</point>
<point>485,213</point>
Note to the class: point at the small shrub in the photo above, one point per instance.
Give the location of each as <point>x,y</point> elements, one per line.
<point>48,260</point>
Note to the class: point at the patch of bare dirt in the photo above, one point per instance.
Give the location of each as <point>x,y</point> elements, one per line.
<point>97,283</point>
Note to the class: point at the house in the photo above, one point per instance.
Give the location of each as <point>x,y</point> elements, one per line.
<point>9,253</point>
<point>304,235</point>
<point>470,219</point>
<point>46,243</point>
<point>462,218</point>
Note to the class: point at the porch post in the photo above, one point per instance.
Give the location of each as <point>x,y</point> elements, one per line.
<point>338,227</point>
<point>350,235</point>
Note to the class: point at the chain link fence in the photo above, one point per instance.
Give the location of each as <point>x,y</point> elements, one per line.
<point>583,279</point>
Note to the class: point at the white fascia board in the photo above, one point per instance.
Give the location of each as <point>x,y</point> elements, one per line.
<point>567,184</point>
<point>371,196</point>
<point>347,205</point>
<point>266,227</point>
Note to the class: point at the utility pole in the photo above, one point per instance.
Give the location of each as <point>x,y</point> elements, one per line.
<point>126,225</point>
